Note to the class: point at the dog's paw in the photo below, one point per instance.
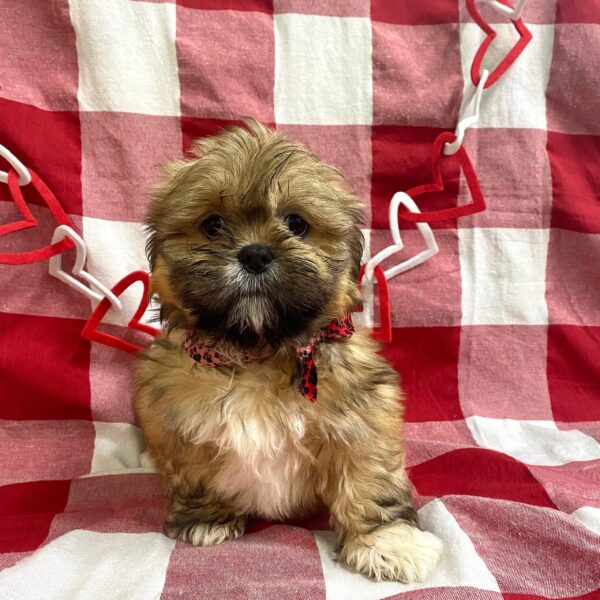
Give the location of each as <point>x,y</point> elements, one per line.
<point>146,460</point>
<point>396,552</point>
<point>204,534</point>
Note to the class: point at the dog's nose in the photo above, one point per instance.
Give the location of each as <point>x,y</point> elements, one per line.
<point>255,258</point>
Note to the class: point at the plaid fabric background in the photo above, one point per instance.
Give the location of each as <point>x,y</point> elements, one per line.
<point>497,337</point>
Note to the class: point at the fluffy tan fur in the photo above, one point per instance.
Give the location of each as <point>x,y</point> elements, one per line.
<point>238,441</point>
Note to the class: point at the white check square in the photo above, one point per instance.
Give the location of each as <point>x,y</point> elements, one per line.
<point>518,98</point>
<point>118,448</point>
<point>127,59</point>
<point>503,276</point>
<point>459,566</point>
<point>533,442</point>
<point>88,564</point>
<point>323,72</point>
<point>106,240</point>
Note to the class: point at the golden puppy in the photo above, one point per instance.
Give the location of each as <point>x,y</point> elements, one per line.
<point>255,249</point>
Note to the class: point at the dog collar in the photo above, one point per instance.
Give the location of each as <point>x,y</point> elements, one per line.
<point>207,355</point>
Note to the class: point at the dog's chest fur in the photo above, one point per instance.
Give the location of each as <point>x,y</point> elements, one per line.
<point>260,429</point>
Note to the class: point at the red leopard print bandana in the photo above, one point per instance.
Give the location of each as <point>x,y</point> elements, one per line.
<point>207,355</point>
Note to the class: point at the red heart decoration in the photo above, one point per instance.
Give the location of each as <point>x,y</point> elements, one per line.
<point>20,258</point>
<point>524,38</point>
<point>454,212</point>
<point>90,330</point>
<point>384,333</point>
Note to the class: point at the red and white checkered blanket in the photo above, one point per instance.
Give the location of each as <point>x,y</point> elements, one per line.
<point>497,336</point>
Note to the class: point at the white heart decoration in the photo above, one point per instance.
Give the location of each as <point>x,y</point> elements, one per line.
<point>403,199</point>
<point>55,269</point>
<point>16,164</point>
<point>507,11</point>
<point>469,113</point>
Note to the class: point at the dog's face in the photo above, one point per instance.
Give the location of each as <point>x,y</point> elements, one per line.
<point>253,241</point>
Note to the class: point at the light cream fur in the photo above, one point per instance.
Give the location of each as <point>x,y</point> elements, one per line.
<point>397,552</point>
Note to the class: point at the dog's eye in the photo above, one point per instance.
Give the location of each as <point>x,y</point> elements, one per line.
<point>212,226</point>
<point>297,225</point>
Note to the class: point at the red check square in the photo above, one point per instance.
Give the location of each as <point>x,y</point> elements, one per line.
<point>573,372</point>
<point>572,101</point>
<point>573,278</point>
<point>576,12</point>
<point>572,485</point>
<point>520,193</point>
<point>111,374</point>
<point>329,8</point>
<point>45,449</point>
<point>44,368</point>
<point>427,360</point>
<point>417,76</point>
<point>27,511</point>
<point>257,558</point>
<point>48,142</point>
<point>479,473</point>
<point>499,363</point>
<point>528,536</point>
<point>39,58</point>
<point>265,6</point>
<point>574,163</point>
<point>216,52</point>
<point>409,12</point>
<point>402,160</point>
<point>122,153</point>
<point>131,503</point>
<point>428,439</point>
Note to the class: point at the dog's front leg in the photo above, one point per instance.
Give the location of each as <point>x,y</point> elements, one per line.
<point>369,498</point>
<point>199,516</point>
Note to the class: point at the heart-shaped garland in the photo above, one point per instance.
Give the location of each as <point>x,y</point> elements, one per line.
<point>506,10</point>
<point>384,333</point>
<point>90,330</point>
<point>468,115</point>
<point>478,203</point>
<point>16,164</point>
<point>65,238</point>
<point>524,38</point>
<point>403,199</point>
<point>28,221</point>
<point>55,268</point>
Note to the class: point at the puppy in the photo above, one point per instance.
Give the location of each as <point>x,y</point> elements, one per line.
<point>261,399</point>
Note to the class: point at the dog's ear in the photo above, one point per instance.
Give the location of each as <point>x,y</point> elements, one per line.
<point>165,203</point>
<point>354,209</point>
<point>165,197</point>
